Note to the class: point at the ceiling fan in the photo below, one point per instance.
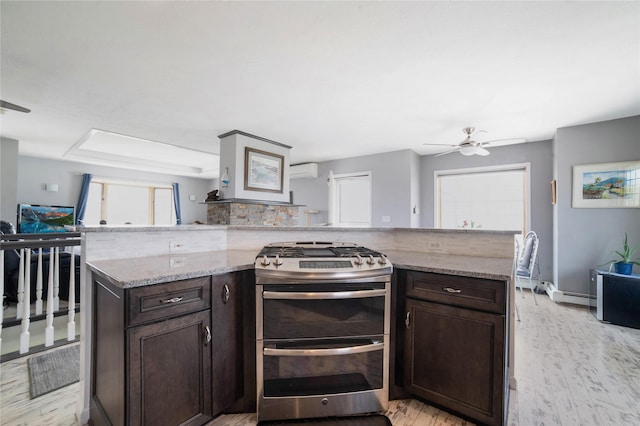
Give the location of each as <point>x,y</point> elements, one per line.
<point>9,105</point>
<point>471,147</point>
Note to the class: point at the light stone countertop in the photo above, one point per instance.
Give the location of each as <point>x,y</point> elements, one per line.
<point>137,272</point>
<point>142,271</point>
<point>192,227</point>
<point>467,266</point>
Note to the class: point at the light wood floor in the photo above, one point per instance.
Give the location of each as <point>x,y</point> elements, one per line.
<point>571,370</point>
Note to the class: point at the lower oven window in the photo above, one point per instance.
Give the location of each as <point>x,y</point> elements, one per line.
<point>323,368</point>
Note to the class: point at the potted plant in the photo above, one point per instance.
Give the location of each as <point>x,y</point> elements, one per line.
<point>625,264</point>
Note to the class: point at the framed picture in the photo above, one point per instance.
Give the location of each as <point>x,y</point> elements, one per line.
<point>263,171</point>
<point>606,185</point>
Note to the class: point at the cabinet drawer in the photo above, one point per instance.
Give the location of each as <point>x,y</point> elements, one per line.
<point>475,293</point>
<point>155,302</point>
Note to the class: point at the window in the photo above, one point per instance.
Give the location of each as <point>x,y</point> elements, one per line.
<point>120,203</point>
<point>494,198</point>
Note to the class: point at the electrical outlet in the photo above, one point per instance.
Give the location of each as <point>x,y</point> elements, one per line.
<point>176,246</point>
<point>433,245</point>
<point>386,219</point>
<point>176,262</point>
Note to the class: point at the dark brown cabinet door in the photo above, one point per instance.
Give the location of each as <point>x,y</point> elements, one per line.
<point>245,345</point>
<point>227,340</point>
<point>108,359</point>
<point>169,379</point>
<point>454,357</point>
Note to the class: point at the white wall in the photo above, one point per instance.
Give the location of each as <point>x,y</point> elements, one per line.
<point>416,189</point>
<point>34,173</point>
<point>585,237</point>
<point>232,156</point>
<point>392,190</point>
<point>8,179</point>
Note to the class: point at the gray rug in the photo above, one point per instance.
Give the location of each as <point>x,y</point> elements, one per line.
<point>53,370</point>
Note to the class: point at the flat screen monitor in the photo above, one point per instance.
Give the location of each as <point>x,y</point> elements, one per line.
<point>36,219</point>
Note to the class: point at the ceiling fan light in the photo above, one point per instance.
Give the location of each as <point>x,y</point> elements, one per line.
<point>468,150</point>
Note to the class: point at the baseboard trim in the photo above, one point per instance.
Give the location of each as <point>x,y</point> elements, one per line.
<point>38,348</point>
<point>553,292</point>
<point>560,296</point>
<point>84,416</point>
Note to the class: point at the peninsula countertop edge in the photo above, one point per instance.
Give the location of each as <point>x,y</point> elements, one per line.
<point>143,271</point>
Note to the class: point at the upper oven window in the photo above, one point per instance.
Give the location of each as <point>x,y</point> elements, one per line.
<point>301,311</point>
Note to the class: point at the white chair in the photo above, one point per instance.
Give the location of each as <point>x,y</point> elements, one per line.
<point>516,254</point>
<point>526,263</point>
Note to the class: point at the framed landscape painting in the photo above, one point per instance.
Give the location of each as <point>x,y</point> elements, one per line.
<point>263,171</point>
<point>606,185</point>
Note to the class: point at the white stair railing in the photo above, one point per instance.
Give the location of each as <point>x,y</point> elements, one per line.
<point>39,284</point>
<point>56,279</point>
<point>32,244</point>
<point>20,307</point>
<point>26,305</point>
<point>71,312</point>
<point>48,331</point>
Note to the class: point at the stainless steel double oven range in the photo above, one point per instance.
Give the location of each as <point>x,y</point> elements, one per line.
<point>322,330</point>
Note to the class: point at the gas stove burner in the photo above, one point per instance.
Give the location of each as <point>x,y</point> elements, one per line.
<point>354,251</point>
<point>282,252</point>
<point>316,249</point>
<point>315,260</point>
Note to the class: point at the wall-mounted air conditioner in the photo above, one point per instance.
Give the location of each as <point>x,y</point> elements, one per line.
<point>303,171</point>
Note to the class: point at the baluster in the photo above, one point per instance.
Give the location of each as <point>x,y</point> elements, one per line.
<point>71,325</point>
<point>20,286</point>
<point>1,294</point>
<point>39,284</point>
<point>26,315</point>
<point>56,281</point>
<point>48,331</point>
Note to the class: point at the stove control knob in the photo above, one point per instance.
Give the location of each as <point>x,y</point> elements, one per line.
<point>358,260</point>
<point>277,261</point>
<point>383,259</point>
<point>371,260</point>
<point>265,261</point>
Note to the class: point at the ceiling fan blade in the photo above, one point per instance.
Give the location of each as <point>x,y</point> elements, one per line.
<point>9,105</point>
<point>510,140</point>
<point>440,144</point>
<point>481,151</point>
<point>446,152</point>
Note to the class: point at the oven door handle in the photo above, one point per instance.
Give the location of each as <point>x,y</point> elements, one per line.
<point>295,295</point>
<point>374,346</point>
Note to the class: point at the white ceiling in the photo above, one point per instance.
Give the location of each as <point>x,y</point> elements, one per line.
<point>331,79</point>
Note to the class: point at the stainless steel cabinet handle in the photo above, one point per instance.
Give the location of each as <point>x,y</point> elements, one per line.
<point>226,294</point>
<point>207,335</point>
<point>322,295</point>
<point>374,346</point>
<point>407,320</point>
<point>173,300</point>
<point>451,290</point>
